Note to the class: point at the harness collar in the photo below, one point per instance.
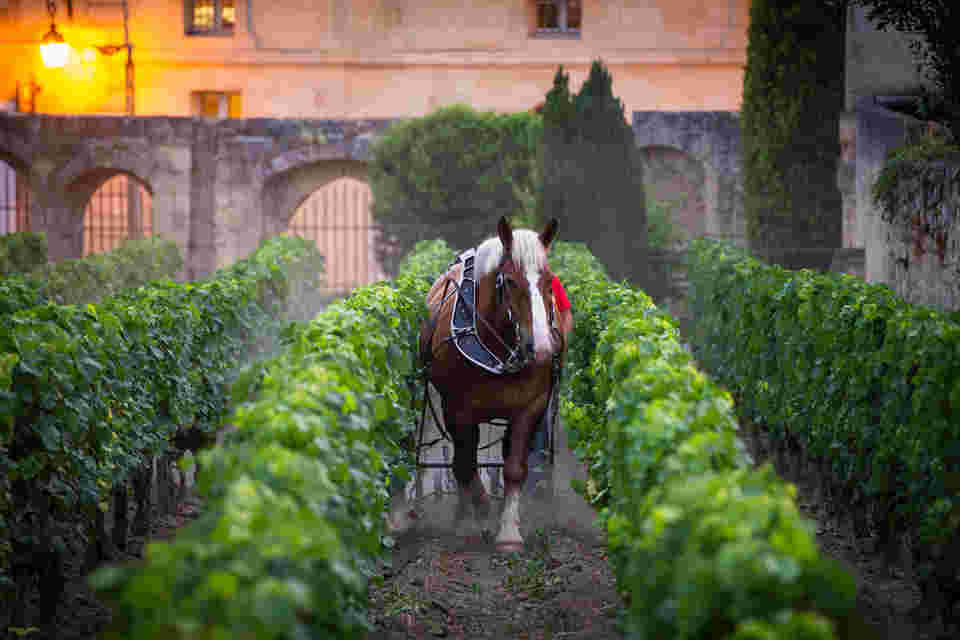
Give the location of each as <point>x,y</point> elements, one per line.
<point>463,322</point>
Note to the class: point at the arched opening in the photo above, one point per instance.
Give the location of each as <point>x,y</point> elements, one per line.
<point>674,182</point>
<point>121,208</point>
<point>15,200</point>
<point>336,217</point>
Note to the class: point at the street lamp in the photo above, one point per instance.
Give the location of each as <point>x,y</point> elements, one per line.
<point>53,49</point>
<point>111,49</point>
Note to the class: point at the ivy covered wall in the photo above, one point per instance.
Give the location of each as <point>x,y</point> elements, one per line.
<point>917,195</point>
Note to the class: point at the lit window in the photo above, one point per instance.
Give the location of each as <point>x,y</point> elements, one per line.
<point>217,104</point>
<point>559,16</point>
<point>210,17</point>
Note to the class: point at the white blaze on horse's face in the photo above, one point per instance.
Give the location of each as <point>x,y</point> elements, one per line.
<point>542,347</point>
<point>521,256</point>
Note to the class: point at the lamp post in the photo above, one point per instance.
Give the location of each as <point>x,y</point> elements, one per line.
<point>111,49</point>
<point>54,50</point>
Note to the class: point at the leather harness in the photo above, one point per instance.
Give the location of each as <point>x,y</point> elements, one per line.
<point>463,322</point>
<point>463,333</point>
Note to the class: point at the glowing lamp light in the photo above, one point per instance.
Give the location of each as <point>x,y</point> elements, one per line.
<point>53,49</point>
<point>89,55</point>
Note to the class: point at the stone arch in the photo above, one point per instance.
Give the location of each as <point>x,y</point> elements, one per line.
<point>104,206</point>
<point>713,139</point>
<point>132,158</point>
<point>327,202</point>
<point>674,183</point>
<point>284,192</point>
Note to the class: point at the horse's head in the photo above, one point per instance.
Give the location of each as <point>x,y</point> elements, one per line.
<point>525,291</point>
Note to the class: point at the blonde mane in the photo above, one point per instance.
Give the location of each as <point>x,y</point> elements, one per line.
<point>528,253</point>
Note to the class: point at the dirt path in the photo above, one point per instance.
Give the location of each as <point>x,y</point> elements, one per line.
<point>445,579</point>
<point>444,583</point>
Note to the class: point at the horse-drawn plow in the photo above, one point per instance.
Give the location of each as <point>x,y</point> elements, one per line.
<point>433,450</point>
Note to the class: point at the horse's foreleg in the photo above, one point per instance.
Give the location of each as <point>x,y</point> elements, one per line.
<point>471,491</point>
<point>514,477</point>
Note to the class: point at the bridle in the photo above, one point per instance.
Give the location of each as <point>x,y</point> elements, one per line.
<point>517,357</point>
<point>464,332</point>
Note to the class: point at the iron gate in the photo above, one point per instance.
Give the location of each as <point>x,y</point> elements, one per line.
<point>121,208</point>
<point>337,219</point>
<point>14,200</point>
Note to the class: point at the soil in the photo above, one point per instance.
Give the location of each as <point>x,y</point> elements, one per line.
<point>80,615</point>
<point>443,581</point>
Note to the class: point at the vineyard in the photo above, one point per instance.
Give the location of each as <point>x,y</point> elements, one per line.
<point>858,389</point>
<point>703,543</point>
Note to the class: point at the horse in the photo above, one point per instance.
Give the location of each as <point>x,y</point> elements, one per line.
<point>514,319</point>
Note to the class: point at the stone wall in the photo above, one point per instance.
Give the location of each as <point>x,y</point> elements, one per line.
<point>219,186</point>
<point>210,180</point>
<point>877,62</point>
<point>878,131</point>
<point>902,250</point>
<point>923,236</point>
<point>711,138</point>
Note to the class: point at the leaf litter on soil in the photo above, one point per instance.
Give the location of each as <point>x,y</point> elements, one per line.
<point>441,582</point>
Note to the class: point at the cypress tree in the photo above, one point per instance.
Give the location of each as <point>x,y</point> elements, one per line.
<point>592,177</point>
<point>792,98</point>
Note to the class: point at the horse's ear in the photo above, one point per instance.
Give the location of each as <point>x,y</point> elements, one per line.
<point>505,231</point>
<point>546,237</point>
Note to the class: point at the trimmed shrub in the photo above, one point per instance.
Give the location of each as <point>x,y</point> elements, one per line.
<point>452,174</point>
<point>22,252</point>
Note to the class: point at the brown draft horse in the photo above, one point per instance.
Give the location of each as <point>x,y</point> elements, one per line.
<point>515,323</point>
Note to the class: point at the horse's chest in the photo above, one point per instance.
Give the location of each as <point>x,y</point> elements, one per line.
<point>487,393</point>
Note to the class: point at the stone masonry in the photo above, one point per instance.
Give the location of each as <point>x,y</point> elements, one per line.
<point>219,186</point>
<point>213,182</point>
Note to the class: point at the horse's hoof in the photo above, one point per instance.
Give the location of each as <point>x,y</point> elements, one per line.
<point>509,546</point>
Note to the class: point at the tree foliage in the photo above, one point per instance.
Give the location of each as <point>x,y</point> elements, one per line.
<point>937,52</point>
<point>792,97</point>
<point>451,175</point>
<point>592,180</point>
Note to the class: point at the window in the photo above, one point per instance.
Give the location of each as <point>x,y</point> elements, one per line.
<point>559,17</point>
<point>210,17</point>
<point>217,104</point>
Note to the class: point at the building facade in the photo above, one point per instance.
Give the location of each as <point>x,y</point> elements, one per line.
<point>341,60</point>
<point>371,58</point>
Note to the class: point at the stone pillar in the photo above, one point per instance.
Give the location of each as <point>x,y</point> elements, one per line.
<point>201,252</point>
<point>55,214</point>
<point>877,132</point>
<point>238,214</point>
<point>171,214</point>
